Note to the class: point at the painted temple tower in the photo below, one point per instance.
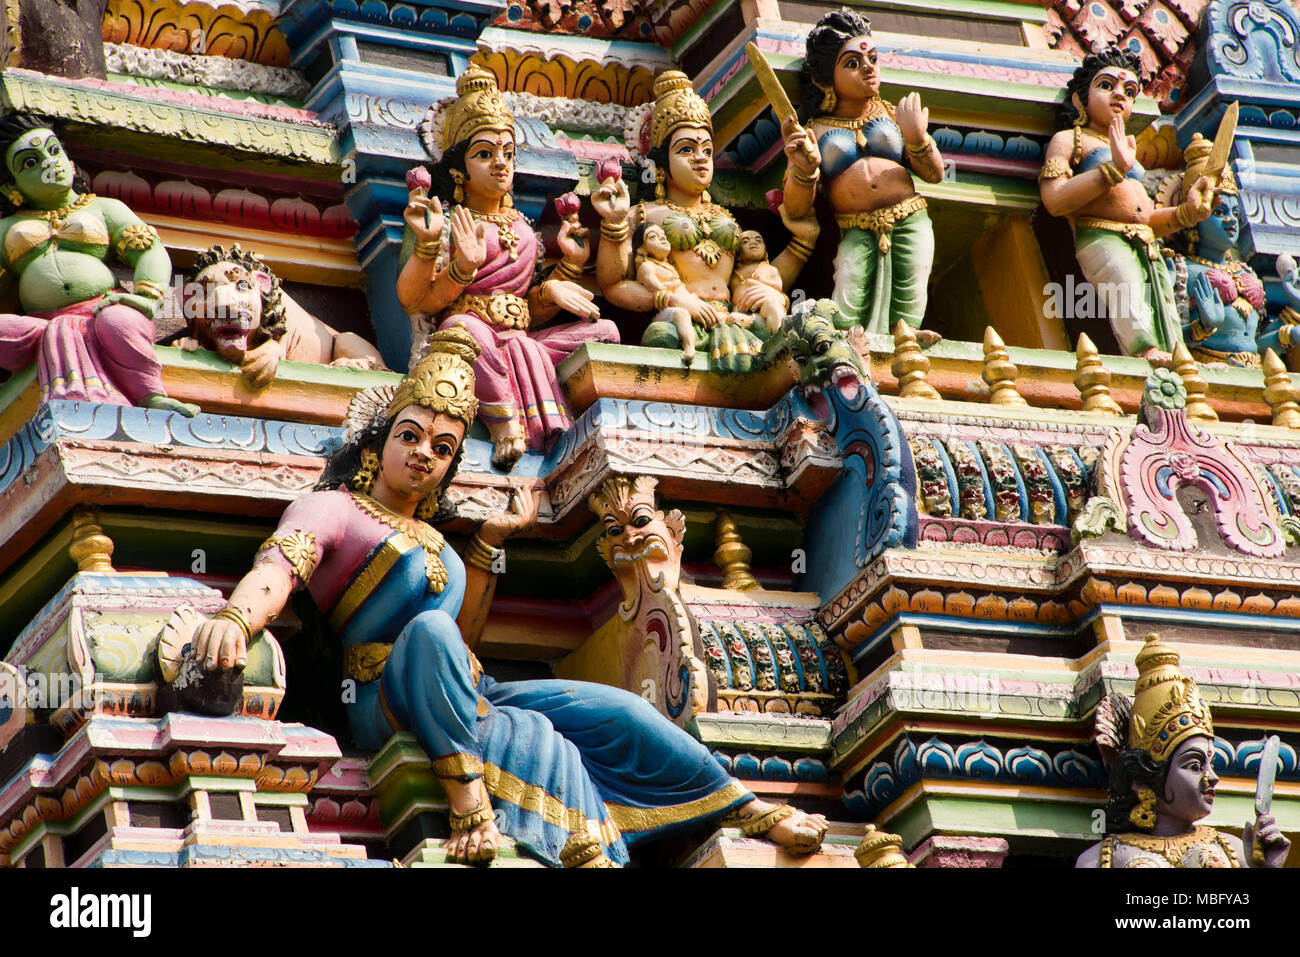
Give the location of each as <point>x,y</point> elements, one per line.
<point>939,411</point>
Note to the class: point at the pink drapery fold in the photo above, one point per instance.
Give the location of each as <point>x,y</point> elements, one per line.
<point>515,377</point>
<point>105,358</point>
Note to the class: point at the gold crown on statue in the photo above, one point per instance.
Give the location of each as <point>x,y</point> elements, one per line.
<point>1167,706</point>
<point>443,380</point>
<point>478,106</point>
<point>1196,156</point>
<point>676,105</point>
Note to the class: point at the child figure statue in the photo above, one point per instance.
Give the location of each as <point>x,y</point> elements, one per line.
<point>754,270</point>
<point>656,273</point>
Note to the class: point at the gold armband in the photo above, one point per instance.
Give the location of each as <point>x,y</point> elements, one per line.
<point>661,299</point>
<point>614,232</point>
<point>1183,217</point>
<point>566,270</point>
<point>806,179</point>
<point>428,249</point>
<point>1289,316</point>
<point>230,613</point>
<point>483,556</point>
<point>458,276</point>
<point>298,549</point>
<point>150,290</point>
<point>1113,176</point>
<point>136,238</point>
<point>921,148</point>
<point>1055,169</point>
<point>1284,337</point>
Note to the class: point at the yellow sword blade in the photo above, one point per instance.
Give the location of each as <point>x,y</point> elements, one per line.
<point>1222,147</point>
<point>772,88</point>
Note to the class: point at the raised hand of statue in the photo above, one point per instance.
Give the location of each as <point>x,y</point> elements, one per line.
<point>912,118</point>
<point>424,216</point>
<point>573,298</point>
<point>1289,273</point>
<point>1208,303</point>
<point>1271,839</point>
<point>800,147</point>
<point>1200,199</point>
<point>572,240</point>
<point>611,199</point>
<point>469,239</point>
<point>804,227</point>
<point>140,303</point>
<point>520,517</point>
<point>1123,148</point>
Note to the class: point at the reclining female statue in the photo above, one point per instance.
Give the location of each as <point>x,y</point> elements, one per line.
<point>574,772</point>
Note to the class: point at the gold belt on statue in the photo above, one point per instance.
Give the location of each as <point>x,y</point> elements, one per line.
<point>365,662</point>
<point>504,310</point>
<point>1134,232</point>
<point>1249,360</point>
<point>882,221</point>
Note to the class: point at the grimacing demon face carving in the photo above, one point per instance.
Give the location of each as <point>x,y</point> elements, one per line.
<point>640,542</point>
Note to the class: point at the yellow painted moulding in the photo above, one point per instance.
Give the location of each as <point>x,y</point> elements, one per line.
<point>309,259</point>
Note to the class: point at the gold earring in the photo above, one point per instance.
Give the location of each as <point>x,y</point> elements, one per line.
<point>660,176</point>
<point>15,196</point>
<point>428,506</point>
<point>458,194</point>
<point>828,98</point>
<point>1143,815</point>
<point>363,480</point>
<point>1193,237</point>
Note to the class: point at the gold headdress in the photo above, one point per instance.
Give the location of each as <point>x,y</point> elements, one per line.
<point>477,106</point>
<point>1167,707</point>
<point>676,104</point>
<point>442,381</point>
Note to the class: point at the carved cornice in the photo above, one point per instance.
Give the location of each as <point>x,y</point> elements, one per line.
<point>236,31</point>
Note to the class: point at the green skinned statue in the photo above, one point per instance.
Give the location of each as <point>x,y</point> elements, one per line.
<point>90,340</point>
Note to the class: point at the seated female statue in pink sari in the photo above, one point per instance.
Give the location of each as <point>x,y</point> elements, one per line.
<point>88,341</point>
<point>475,268</point>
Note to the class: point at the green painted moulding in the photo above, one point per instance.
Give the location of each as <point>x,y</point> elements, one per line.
<point>116,110</point>
<point>1012,817</point>
<point>767,732</point>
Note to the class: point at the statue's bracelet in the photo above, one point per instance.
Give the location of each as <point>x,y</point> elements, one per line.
<point>483,556</point>
<point>230,613</point>
<point>615,232</point>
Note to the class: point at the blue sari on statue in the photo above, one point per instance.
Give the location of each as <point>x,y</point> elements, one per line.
<point>558,757</point>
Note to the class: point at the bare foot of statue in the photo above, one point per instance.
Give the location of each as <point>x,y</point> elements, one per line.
<point>165,403</point>
<point>1157,358</point>
<point>507,448</point>
<point>474,835</point>
<point>927,337</point>
<point>783,825</point>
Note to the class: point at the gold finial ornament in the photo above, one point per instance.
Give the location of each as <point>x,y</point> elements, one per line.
<point>91,549</point>
<point>732,555</point>
<point>443,380</point>
<point>999,371</point>
<point>880,849</point>
<point>1281,394</point>
<point>676,105</point>
<point>478,106</point>
<point>1092,379</point>
<point>910,365</point>
<point>1197,408</point>
<point>1167,705</point>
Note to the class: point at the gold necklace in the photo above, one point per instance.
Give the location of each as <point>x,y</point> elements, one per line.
<point>55,217</point>
<point>509,238</point>
<point>427,537</point>
<point>1174,849</point>
<point>876,108</point>
<point>701,213</point>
